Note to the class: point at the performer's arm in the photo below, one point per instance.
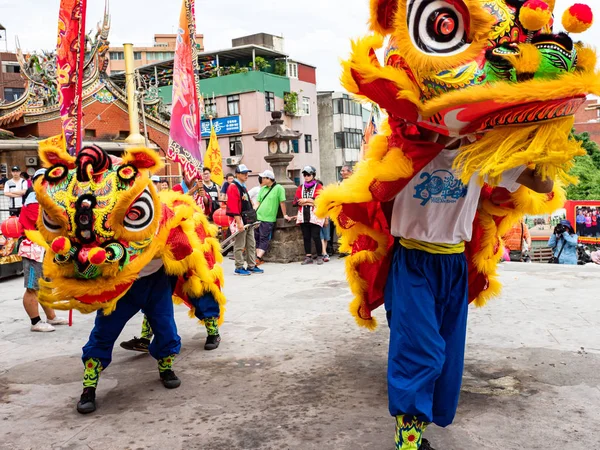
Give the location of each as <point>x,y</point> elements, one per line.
<point>534,181</point>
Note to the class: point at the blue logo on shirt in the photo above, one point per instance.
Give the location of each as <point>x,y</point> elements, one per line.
<point>439,187</point>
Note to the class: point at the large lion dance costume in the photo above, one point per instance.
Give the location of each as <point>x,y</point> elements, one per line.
<point>487,88</point>
<point>115,245</point>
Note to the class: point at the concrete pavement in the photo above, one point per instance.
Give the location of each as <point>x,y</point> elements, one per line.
<point>295,372</point>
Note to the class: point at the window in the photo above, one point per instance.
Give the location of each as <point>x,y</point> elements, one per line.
<point>270,101</point>
<point>90,133</point>
<point>117,55</point>
<point>210,107</point>
<point>295,146</point>
<point>346,106</point>
<point>137,56</point>
<point>233,105</point>
<point>306,105</point>
<point>235,146</point>
<point>123,134</point>
<point>12,94</point>
<point>292,70</point>
<point>307,143</point>
<point>349,138</point>
<point>11,68</point>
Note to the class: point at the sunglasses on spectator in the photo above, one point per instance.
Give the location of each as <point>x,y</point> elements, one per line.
<point>307,174</point>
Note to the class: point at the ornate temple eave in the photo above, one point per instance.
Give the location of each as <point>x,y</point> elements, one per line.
<point>30,144</point>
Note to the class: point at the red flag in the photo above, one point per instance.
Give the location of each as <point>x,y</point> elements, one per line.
<point>70,58</point>
<point>184,137</point>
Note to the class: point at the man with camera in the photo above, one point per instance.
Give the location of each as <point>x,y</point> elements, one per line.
<point>564,244</point>
<point>240,208</point>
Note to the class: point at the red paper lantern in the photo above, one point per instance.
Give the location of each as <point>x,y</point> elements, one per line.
<point>12,228</point>
<point>221,218</point>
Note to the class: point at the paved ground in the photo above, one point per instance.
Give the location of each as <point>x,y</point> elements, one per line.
<point>294,372</point>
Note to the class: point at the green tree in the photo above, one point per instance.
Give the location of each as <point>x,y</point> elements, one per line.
<point>587,170</point>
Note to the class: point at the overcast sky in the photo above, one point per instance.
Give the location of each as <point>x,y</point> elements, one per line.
<point>317,32</point>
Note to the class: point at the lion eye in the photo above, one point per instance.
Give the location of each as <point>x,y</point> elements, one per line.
<point>438,26</point>
<point>140,214</point>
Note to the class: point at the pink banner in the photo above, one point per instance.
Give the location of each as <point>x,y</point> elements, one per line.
<point>70,56</point>
<point>184,136</point>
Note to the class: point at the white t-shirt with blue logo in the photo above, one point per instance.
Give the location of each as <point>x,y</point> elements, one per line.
<point>435,206</point>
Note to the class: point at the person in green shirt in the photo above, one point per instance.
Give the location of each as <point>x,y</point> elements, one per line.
<point>270,197</point>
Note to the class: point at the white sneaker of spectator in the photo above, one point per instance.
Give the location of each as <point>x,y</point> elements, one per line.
<point>42,327</point>
<point>58,321</point>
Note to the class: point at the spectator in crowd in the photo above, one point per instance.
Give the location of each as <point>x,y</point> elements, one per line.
<point>564,243</point>
<point>212,189</point>
<point>164,185</point>
<point>580,222</point>
<point>588,224</point>
<point>240,208</point>
<point>194,188</point>
<point>156,182</point>
<point>15,189</point>
<point>229,177</point>
<point>27,178</point>
<point>513,241</point>
<point>270,198</point>
<point>253,193</point>
<point>345,172</point>
<point>33,255</point>
<point>3,180</point>
<point>309,223</point>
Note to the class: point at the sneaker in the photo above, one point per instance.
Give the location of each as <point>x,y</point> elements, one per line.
<point>307,260</point>
<point>425,445</point>
<point>319,260</point>
<point>136,344</point>
<point>326,257</point>
<point>57,321</point>
<point>256,270</point>
<point>42,327</point>
<point>87,402</point>
<point>212,342</point>
<point>242,272</point>
<point>169,379</point>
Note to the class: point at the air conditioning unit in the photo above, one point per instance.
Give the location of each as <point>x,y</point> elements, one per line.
<point>31,160</point>
<point>233,160</point>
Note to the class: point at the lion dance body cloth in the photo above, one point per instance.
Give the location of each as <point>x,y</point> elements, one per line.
<point>480,97</point>
<point>116,246</point>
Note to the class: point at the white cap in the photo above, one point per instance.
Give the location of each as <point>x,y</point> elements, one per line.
<point>155,178</point>
<point>267,174</point>
<point>242,169</point>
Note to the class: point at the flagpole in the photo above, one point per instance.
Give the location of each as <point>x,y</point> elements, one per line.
<point>80,67</point>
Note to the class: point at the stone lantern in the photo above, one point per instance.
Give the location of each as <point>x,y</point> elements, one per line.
<point>286,245</point>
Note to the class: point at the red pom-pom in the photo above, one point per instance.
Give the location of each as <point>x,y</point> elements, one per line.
<point>582,12</point>
<point>97,256</point>
<point>61,245</point>
<point>536,4</point>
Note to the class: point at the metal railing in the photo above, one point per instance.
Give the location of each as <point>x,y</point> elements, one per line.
<point>4,207</point>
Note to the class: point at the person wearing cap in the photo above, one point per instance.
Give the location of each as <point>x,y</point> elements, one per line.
<point>309,223</point>
<point>32,255</point>
<point>564,243</point>
<point>270,198</point>
<point>193,187</point>
<point>240,208</point>
<point>156,181</point>
<point>15,189</point>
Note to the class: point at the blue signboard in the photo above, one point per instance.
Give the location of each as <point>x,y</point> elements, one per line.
<point>223,126</point>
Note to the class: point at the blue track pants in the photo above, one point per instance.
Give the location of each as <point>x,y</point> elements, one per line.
<point>426,299</point>
<point>151,294</point>
<point>206,306</point>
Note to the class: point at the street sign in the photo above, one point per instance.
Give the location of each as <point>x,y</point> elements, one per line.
<point>223,126</point>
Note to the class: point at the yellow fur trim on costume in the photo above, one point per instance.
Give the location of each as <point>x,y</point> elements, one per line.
<point>143,158</point>
<point>370,69</point>
<point>586,58</point>
<point>481,21</point>
<point>534,19</point>
<point>51,155</point>
<point>375,20</point>
<point>504,148</point>
<point>527,60</point>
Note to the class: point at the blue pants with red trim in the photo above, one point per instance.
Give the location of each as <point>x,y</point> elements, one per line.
<point>426,299</point>
<point>152,294</point>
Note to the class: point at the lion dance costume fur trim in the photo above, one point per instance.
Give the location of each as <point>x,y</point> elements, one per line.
<point>490,71</point>
<point>102,222</point>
